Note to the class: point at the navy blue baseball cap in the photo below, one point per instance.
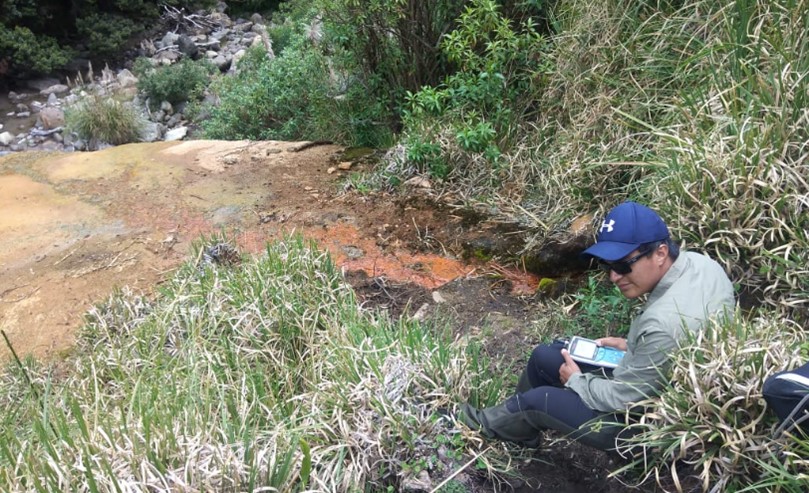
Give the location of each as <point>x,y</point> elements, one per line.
<point>626,227</point>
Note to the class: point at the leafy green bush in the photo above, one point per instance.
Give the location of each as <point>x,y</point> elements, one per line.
<point>295,96</point>
<point>482,103</point>
<point>41,35</point>
<point>712,420</point>
<point>174,83</point>
<point>24,51</point>
<point>98,119</point>
<point>107,33</point>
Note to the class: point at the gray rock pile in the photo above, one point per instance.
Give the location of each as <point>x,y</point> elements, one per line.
<point>38,116</point>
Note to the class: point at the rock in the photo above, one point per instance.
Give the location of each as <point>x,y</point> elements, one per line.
<point>257,19</point>
<point>235,61</point>
<point>169,39</point>
<point>6,138</point>
<point>345,166</point>
<point>219,35</point>
<point>222,63</point>
<point>331,170</point>
<point>166,107</point>
<point>22,108</point>
<point>167,57</point>
<point>420,483</point>
<point>52,118</point>
<point>152,132</point>
<point>42,84</point>
<point>174,120</point>
<point>53,100</point>
<point>419,181</point>
<point>187,47</point>
<point>54,89</point>
<point>127,78</point>
<point>17,97</point>
<point>23,114</point>
<point>176,134</point>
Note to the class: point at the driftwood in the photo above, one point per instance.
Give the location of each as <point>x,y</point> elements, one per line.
<point>179,17</point>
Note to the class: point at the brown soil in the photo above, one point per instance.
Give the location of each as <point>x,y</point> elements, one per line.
<point>74,227</point>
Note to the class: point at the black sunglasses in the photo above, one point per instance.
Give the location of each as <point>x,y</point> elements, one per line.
<point>623,267</point>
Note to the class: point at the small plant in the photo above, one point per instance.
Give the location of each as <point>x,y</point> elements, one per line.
<point>176,83</point>
<point>475,138</point>
<point>97,119</point>
<point>601,310</point>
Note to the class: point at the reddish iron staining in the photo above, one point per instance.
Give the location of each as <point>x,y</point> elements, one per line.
<point>351,251</point>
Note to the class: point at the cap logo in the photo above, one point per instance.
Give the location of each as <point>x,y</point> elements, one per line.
<point>608,226</point>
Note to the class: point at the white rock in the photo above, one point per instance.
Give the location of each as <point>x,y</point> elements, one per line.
<point>176,134</point>
<point>419,181</point>
<point>6,138</point>
<point>127,78</point>
<point>54,89</point>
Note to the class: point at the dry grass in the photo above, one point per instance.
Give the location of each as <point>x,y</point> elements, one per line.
<point>263,375</point>
<point>712,421</point>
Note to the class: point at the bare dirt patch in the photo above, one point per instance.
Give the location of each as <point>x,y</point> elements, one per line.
<point>76,226</point>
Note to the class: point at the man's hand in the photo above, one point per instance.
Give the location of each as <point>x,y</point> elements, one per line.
<point>616,342</point>
<point>568,368</point>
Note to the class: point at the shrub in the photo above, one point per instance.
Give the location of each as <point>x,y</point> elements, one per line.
<point>106,33</point>
<point>182,81</point>
<point>98,119</point>
<point>296,95</point>
<point>273,99</point>
<point>711,421</point>
<point>27,52</point>
<point>483,102</point>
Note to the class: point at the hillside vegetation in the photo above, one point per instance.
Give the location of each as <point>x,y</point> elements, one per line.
<point>268,375</point>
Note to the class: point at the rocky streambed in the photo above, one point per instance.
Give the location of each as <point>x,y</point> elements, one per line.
<point>32,116</point>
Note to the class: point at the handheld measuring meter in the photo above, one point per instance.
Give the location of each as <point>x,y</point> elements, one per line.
<point>587,351</point>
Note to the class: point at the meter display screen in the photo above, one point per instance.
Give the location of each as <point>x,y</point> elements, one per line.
<point>585,349</point>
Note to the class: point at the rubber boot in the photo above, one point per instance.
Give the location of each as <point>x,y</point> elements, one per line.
<point>524,385</point>
<point>499,422</point>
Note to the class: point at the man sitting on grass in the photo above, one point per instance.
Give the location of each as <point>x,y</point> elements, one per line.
<point>554,392</point>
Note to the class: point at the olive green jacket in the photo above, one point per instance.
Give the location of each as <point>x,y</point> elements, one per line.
<point>694,289</point>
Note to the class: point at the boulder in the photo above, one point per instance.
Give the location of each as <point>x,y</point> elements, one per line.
<point>222,63</point>
<point>42,84</point>
<point>187,47</point>
<point>169,39</point>
<point>52,118</point>
<point>176,134</point>
<point>151,132</point>
<point>127,78</point>
<point>6,138</point>
<point>54,89</point>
